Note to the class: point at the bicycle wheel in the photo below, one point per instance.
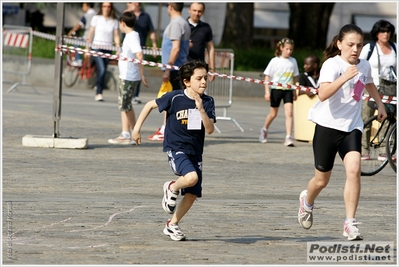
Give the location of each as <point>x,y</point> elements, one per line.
<point>70,75</point>
<point>391,147</point>
<point>374,134</point>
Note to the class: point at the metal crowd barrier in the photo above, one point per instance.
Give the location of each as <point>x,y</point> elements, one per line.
<point>17,48</point>
<point>221,89</point>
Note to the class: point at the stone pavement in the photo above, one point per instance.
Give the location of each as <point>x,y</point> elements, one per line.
<point>101,205</point>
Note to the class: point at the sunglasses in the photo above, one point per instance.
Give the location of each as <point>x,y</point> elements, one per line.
<point>384,30</point>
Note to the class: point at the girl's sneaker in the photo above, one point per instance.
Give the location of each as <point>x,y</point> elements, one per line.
<point>263,135</point>
<point>351,231</point>
<point>305,218</point>
<point>173,230</point>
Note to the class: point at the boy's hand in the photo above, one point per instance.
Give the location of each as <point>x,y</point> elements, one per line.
<point>145,82</point>
<point>198,102</point>
<point>137,137</point>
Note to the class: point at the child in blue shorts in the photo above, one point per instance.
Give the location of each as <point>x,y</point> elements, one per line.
<point>189,114</point>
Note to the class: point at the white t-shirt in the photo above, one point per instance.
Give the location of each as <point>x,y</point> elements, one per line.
<point>341,111</point>
<point>104,31</point>
<point>282,70</point>
<point>131,45</point>
<point>385,62</point>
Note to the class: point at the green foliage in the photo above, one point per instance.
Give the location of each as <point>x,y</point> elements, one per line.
<point>43,48</point>
<point>256,59</point>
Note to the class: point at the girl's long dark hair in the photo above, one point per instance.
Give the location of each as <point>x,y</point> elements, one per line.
<point>332,50</point>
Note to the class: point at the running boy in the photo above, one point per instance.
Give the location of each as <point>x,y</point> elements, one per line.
<point>189,114</point>
<point>130,75</point>
<point>339,125</point>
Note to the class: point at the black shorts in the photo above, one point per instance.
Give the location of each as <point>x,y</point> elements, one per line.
<point>327,142</point>
<point>276,95</point>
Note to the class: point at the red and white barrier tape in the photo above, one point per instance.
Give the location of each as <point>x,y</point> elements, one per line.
<point>64,48</point>
<point>76,41</point>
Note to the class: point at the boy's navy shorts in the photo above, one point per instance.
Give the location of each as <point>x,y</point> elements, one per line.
<point>182,164</point>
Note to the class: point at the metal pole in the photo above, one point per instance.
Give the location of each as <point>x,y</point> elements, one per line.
<point>159,21</point>
<point>58,70</point>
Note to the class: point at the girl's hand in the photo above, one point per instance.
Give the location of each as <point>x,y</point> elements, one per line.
<point>294,95</point>
<point>267,96</point>
<point>350,72</point>
<point>382,113</point>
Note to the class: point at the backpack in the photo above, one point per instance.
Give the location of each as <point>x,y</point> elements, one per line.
<point>372,45</point>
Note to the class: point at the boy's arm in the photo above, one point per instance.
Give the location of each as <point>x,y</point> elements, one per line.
<point>208,123</point>
<point>142,117</point>
<point>139,56</point>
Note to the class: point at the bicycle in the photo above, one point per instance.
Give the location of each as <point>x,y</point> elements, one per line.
<point>72,70</point>
<point>86,71</point>
<point>381,139</point>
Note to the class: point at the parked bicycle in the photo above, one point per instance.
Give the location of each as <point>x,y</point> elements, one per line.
<point>381,141</point>
<point>86,71</point>
<point>74,69</point>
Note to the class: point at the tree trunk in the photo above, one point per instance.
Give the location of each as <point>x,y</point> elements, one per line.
<point>238,26</point>
<point>309,24</point>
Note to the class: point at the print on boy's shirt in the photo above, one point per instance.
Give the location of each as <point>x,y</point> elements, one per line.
<point>185,115</point>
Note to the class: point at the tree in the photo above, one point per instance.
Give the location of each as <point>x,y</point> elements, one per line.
<point>308,24</point>
<point>238,26</point>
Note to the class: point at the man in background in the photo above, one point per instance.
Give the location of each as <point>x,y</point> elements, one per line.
<point>84,23</point>
<point>201,37</point>
<point>175,46</point>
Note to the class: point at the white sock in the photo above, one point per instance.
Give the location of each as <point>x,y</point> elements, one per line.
<point>350,220</point>
<point>307,206</point>
<point>126,134</point>
<point>162,129</point>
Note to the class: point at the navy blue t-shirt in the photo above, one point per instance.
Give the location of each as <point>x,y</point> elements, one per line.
<point>200,36</point>
<point>177,136</point>
<point>143,26</point>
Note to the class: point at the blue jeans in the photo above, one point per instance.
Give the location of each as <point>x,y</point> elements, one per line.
<point>101,64</point>
<point>137,91</point>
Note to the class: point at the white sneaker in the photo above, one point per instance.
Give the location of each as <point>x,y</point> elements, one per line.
<point>169,198</point>
<point>121,140</point>
<point>263,135</point>
<point>305,218</point>
<point>99,97</point>
<point>136,100</point>
<point>288,141</point>
<point>174,231</point>
<point>351,231</point>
